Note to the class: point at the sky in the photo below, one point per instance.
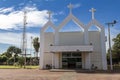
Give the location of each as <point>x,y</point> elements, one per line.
<point>11,17</point>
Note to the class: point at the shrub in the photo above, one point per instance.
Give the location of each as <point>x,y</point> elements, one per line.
<point>21,61</point>
<point>3,59</point>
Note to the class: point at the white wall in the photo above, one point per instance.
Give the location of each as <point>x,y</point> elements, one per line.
<point>96,55</point>
<point>47,59</point>
<point>48,39</point>
<point>71,38</point>
<point>75,38</point>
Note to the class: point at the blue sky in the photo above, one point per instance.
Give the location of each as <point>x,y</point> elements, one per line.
<point>11,17</point>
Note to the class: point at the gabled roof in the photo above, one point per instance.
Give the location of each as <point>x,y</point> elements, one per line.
<point>96,23</point>
<point>75,20</point>
<point>71,17</point>
<point>48,24</point>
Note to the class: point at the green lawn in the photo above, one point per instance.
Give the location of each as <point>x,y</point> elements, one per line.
<point>17,67</point>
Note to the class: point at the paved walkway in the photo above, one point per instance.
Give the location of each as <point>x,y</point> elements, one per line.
<point>35,74</point>
<point>68,76</point>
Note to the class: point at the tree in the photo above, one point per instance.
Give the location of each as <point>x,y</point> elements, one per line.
<point>36,45</point>
<point>115,50</point>
<point>7,54</point>
<point>116,47</point>
<point>3,59</point>
<point>10,61</point>
<point>14,51</point>
<point>21,61</point>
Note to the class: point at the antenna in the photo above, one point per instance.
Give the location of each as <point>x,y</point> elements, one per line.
<point>24,39</point>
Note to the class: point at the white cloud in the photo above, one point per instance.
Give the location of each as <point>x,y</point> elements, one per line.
<point>14,19</point>
<point>77,5</point>
<point>49,0</point>
<point>16,38</point>
<point>60,13</point>
<point>5,10</point>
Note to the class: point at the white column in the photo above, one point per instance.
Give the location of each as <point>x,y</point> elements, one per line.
<point>53,61</point>
<point>41,62</point>
<point>103,49</point>
<point>56,59</point>
<point>87,60</point>
<point>87,55</point>
<point>86,37</point>
<point>56,37</point>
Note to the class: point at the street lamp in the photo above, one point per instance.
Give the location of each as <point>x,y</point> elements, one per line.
<point>110,24</point>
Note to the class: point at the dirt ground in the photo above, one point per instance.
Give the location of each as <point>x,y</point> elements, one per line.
<point>35,74</point>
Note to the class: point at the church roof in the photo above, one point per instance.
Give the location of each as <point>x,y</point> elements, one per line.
<point>75,20</point>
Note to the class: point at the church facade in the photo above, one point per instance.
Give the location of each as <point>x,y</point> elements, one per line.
<point>73,50</point>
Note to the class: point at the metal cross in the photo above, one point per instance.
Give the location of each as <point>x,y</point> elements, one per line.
<point>93,11</point>
<point>70,6</point>
<point>49,13</point>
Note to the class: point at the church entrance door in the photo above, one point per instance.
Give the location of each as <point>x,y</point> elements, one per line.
<point>71,60</point>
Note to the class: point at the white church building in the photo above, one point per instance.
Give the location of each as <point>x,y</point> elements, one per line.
<point>73,50</point>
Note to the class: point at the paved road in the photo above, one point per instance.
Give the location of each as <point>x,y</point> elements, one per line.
<point>35,74</point>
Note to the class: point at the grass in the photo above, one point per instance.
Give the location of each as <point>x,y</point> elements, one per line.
<point>115,67</point>
<point>17,67</point>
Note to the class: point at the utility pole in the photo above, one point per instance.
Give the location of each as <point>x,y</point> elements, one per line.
<point>110,50</point>
<point>31,51</point>
<point>24,41</point>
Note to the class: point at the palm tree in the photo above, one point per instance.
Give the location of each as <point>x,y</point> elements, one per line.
<point>36,45</point>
